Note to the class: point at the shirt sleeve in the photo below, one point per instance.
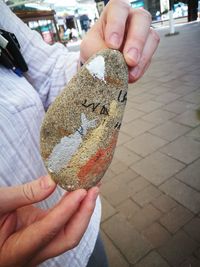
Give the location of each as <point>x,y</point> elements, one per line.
<point>50,66</point>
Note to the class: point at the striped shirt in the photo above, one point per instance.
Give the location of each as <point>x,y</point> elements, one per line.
<point>23,101</point>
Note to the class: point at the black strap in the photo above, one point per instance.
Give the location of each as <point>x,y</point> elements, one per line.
<point>11,56</point>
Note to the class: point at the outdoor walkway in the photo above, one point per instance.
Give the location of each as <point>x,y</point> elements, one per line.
<point>151,192</point>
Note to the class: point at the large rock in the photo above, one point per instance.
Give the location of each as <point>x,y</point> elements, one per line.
<point>80,129</point>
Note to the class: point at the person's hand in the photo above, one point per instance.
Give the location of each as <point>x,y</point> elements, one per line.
<point>29,235</point>
<point>126,29</point>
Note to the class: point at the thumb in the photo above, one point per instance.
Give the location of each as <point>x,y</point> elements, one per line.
<point>15,197</point>
<point>92,42</point>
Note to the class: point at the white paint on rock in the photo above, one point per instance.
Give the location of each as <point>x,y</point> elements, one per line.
<point>96,67</point>
<point>68,146</point>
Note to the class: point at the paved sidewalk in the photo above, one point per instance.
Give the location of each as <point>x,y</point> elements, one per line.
<point>151,192</point>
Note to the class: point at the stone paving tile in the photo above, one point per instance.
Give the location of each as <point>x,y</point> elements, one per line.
<point>128,208</point>
<point>158,116</point>
<point>149,82</point>
<point>193,97</point>
<point>146,195</point>
<point>156,234</point>
<point>142,98</point>
<point>166,97</point>
<point>137,127</point>
<point>126,156</point>
<point>193,229</point>
<point>157,167</point>
<point>126,177</point>
<point>184,88</point>
<point>164,203</point>
<point>117,166</point>
<point>159,90</point>
<point>190,262</point>
<point>182,193</point>
<point>173,84</point>
<point>108,176</point>
<point>188,118</point>
<point>145,217</point>
<point>153,259</point>
<point>185,149</point>
<point>132,245</point>
<point>191,175</point>
<point>130,105</point>
<point>190,77</point>
<point>178,106</point>
<point>149,106</point>
<point>178,248</point>
<point>107,209</point>
<point>168,77</point>
<point>170,130</point>
<point>145,144</point>
<point>155,72</point>
<point>195,133</point>
<point>115,258</point>
<point>138,184</point>
<point>133,91</point>
<point>115,192</point>
<point>123,138</point>
<point>132,114</point>
<point>176,218</point>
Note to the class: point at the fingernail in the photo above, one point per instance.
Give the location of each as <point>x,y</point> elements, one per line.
<point>46,182</point>
<point>114,40</point>
<point>134,72</point>
<point>83,194</point>
<point>134,55</point>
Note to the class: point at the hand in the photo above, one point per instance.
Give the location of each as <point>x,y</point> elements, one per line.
<point>124,28</point>
<point>29,235</point>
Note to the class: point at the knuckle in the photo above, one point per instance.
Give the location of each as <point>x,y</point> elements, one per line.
<point>143,61</point>
<point>73,243</point>
<point>155,35</point>
<point>28,192</point>
<point>140,43</point>
<point>144,13</point>
<point>124,4</point>
<point>49,236</point>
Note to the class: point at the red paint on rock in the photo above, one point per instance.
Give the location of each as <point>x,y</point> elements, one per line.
<point>98,163</point>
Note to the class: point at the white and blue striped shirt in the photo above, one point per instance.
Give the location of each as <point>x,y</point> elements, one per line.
<point>23,101</point>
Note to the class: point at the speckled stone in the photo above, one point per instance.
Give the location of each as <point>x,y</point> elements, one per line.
<point>80,129</point>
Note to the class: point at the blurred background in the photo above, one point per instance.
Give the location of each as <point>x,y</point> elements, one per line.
<point>67,21</point>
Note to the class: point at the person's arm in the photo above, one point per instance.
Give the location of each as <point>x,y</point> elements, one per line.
<point>50,66</point>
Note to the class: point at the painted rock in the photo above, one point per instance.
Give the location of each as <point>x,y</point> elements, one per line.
<point>80,129</point>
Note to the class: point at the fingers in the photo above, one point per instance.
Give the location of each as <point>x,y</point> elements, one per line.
<point>43,231</point>
<point>149,49</point>
<point>115,17</point>
<point>108,31</point>
<point>92,42</point>
<point>12,198</point>
<point>73,230</point>
<point>7,226</point>
<point>139,22</point>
